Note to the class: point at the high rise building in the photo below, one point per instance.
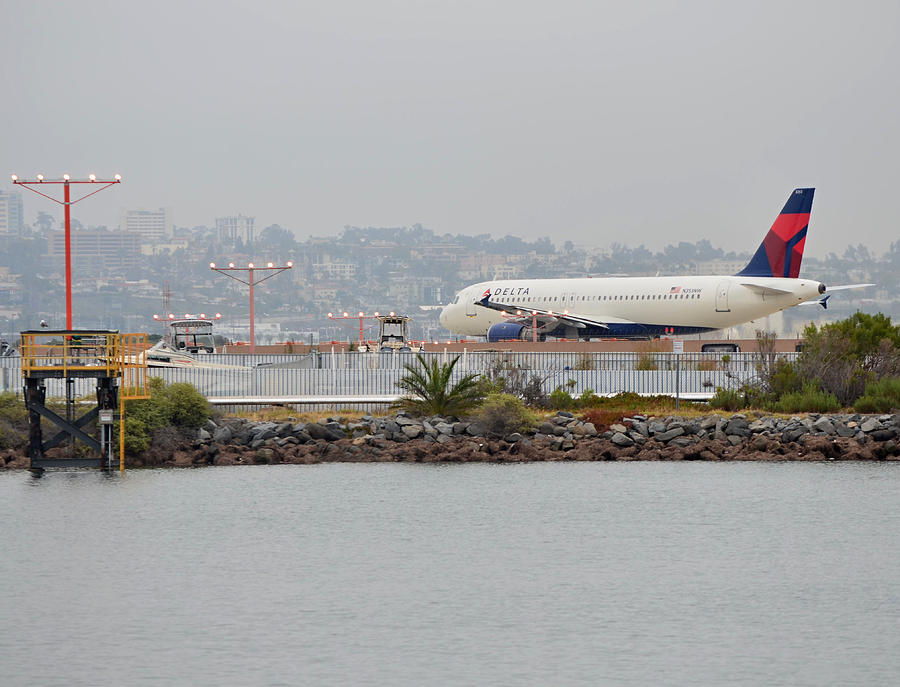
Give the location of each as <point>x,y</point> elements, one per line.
<point>12,215</point>
<point>230,229</point>
<point>151,225</point>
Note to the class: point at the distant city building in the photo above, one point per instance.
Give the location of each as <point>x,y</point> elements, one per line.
<point>153,226</point>
<point>230,229</point>
<point>12,215</point>
<point>724,267</point>
<point>98,251</point>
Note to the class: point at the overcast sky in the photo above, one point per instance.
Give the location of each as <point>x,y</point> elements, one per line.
<point>599,122</point>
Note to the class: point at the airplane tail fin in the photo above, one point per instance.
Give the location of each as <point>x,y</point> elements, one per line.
<point>781,252</point>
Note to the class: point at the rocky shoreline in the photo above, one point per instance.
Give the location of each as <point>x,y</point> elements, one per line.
<point>399,438</point>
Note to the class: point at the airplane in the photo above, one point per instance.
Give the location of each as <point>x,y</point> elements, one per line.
<point>647,307</point>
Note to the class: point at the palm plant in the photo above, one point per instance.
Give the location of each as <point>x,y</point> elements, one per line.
<point>430,391</point>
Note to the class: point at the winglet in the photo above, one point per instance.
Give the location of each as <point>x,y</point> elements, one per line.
<point>781,252</point>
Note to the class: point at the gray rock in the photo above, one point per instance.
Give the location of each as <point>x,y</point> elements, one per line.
<point>203,435</point>
<point>670,434</point>
<point>738,426</point>
<point>735,439</point>
<point>709,422</point>
<point>642,427</point>
<point>460,427</point>
<point>637,437</point>
<point>444,428</point>
<point>823,424</point>
<point>657,427</point>
<point>476,430</point>
<point>681,441</point>
<point>404,421</point>
<point>412,431</point>
<point>222,434</point>
<point>620,439</point>
<point>513,438</point>
<point>883,434</point>
<point>284,429</point>
<point>443,438</point>
<point>589,429</point>
<point>621,429</point>
<point>870,425</point>
<point>564,413</point>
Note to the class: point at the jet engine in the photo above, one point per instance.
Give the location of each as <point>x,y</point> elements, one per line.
<point>504,331</point>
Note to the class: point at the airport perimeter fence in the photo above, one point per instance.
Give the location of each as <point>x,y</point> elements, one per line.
<point>366,374</point>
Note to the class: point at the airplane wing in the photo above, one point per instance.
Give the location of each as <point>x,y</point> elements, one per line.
<point>545,317</point>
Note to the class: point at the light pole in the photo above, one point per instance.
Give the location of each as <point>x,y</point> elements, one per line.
<point>362,316</point>
<point>251,281</point>
<point>67,203</point>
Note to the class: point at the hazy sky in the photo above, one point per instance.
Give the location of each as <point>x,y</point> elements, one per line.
<point>635,122</point>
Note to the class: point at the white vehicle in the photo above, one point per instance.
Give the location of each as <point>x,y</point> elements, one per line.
<point>644,307</point>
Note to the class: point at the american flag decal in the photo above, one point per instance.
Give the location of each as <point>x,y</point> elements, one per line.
<point>675,289</point>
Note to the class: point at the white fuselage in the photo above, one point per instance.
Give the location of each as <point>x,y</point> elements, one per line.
<point>708,302</point>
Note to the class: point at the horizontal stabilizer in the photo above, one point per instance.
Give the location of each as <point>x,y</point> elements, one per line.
<point>844,287</point>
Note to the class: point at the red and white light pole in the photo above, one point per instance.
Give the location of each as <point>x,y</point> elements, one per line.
<point>251,282</point>
<point>362,316</point>
<point>67,203</point>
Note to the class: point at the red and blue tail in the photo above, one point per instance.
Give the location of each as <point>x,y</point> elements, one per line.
<point>781,252</point>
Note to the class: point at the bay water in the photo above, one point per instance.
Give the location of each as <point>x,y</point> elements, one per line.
<point>480,574</point>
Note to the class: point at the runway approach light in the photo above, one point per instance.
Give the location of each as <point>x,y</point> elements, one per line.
<point>212,265</point>
<point>14,177</point>
<point>250,265</point>
<point>92,177</point>
<point>40,177</point>
<point>65,177</point>
<point>289,263</point>
<point>270,264</point>
<point>118,177</point>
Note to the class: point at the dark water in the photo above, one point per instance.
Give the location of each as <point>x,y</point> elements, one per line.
<point>559,574</point>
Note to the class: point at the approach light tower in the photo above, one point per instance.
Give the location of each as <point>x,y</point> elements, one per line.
<point>251,281</point>
<point>67,203</point>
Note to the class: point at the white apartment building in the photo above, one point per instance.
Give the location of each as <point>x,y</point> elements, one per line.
<point>230,229</point>
<point>153,226</point>
<point>12,215</point>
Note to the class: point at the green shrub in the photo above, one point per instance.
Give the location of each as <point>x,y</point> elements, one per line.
<point>13,421</point>
<point>810,399</point>
<point>881,397</point>
<point>588,399</point>
<point>727,399</point>
<point>502,414</point>
<point>560,399</point>
<point>430,391</point>
<point>180,406</point>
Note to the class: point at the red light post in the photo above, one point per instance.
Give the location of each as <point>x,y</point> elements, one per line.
<point>67,203</point>
<point>251,282</point>
<point>362,316</point>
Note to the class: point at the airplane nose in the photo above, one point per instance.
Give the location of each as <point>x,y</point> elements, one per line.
<point>442,318</point>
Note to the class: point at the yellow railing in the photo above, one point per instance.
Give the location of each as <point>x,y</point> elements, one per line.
<point>70,352</point>
<point>133,365</point>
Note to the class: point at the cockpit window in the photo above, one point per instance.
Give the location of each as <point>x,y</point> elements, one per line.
<point>456,300</point>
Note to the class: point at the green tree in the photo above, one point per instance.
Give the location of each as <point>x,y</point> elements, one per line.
<point>430,391</point>
<point>843,357</point>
